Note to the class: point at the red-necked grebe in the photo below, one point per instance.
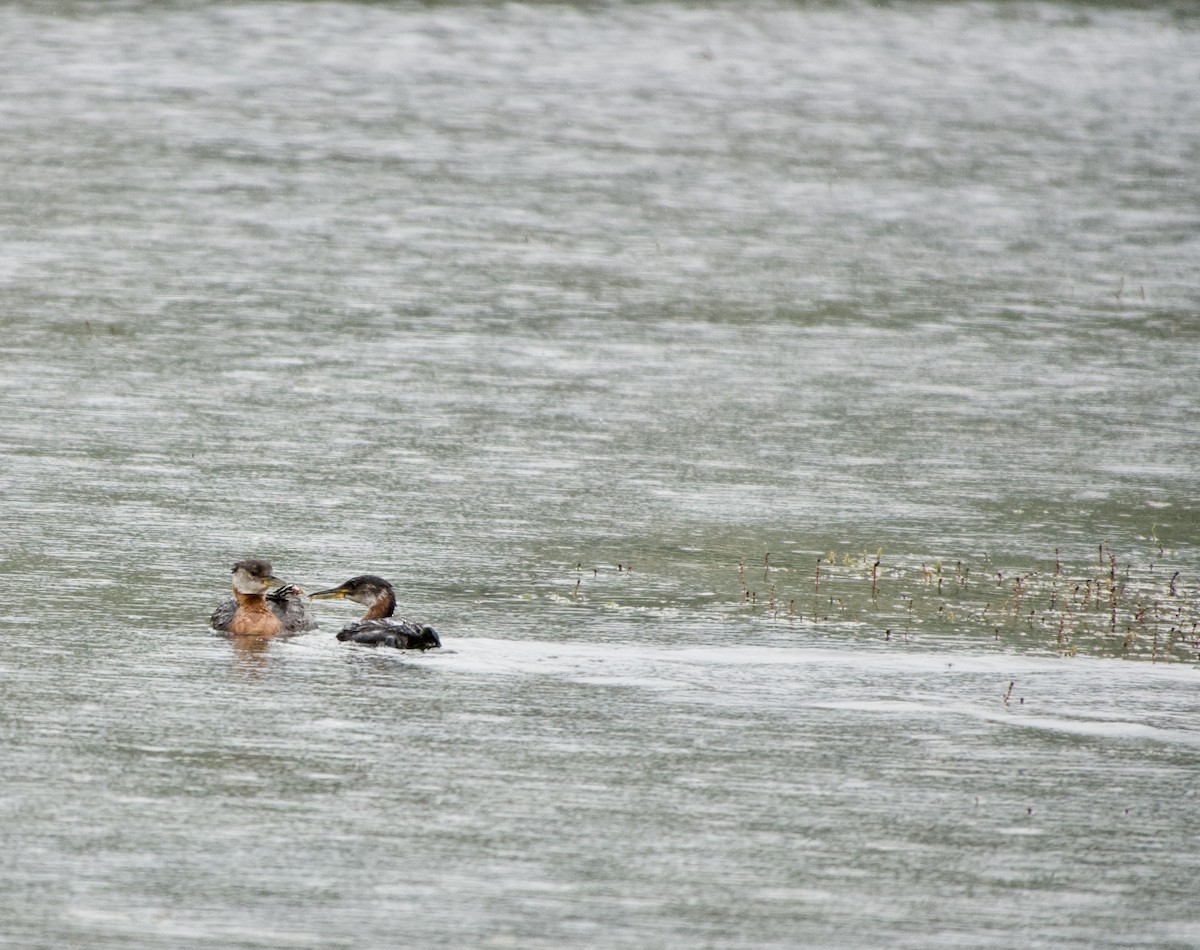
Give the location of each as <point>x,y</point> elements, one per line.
<point>378,627</point>
<point>262,604</point>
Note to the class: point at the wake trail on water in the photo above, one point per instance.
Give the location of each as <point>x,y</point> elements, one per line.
<point>1101,699</point>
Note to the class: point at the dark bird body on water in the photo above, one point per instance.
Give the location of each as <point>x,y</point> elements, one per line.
<point>262,605</point>
<point>378,627</point>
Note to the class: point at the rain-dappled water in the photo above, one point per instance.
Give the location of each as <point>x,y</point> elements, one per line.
<point>785,413</point>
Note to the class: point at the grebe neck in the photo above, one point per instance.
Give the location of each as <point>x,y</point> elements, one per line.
<point>253,616</point>
<point>384,606</point>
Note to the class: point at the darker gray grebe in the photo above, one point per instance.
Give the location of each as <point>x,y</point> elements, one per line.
<point>262,604</point>
<point>378,627</point>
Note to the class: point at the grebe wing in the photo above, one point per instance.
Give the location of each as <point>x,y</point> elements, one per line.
<point>222,616</point>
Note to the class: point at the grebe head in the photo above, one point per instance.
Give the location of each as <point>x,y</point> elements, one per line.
<point>366,589</point>
<point>254,577</point>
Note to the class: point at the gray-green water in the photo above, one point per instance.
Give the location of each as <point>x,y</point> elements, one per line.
<point>501,301</point>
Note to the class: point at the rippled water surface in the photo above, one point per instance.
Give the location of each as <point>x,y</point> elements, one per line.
<point>785,413</point>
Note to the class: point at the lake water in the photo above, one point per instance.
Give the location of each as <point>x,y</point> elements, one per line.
<point>786,414</point>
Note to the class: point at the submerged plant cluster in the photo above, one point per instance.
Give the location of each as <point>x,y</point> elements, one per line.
<point>1106,605</point>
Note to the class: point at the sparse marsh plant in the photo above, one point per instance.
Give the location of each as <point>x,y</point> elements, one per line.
<point>1115,606</point>
<point>1137,605</point>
